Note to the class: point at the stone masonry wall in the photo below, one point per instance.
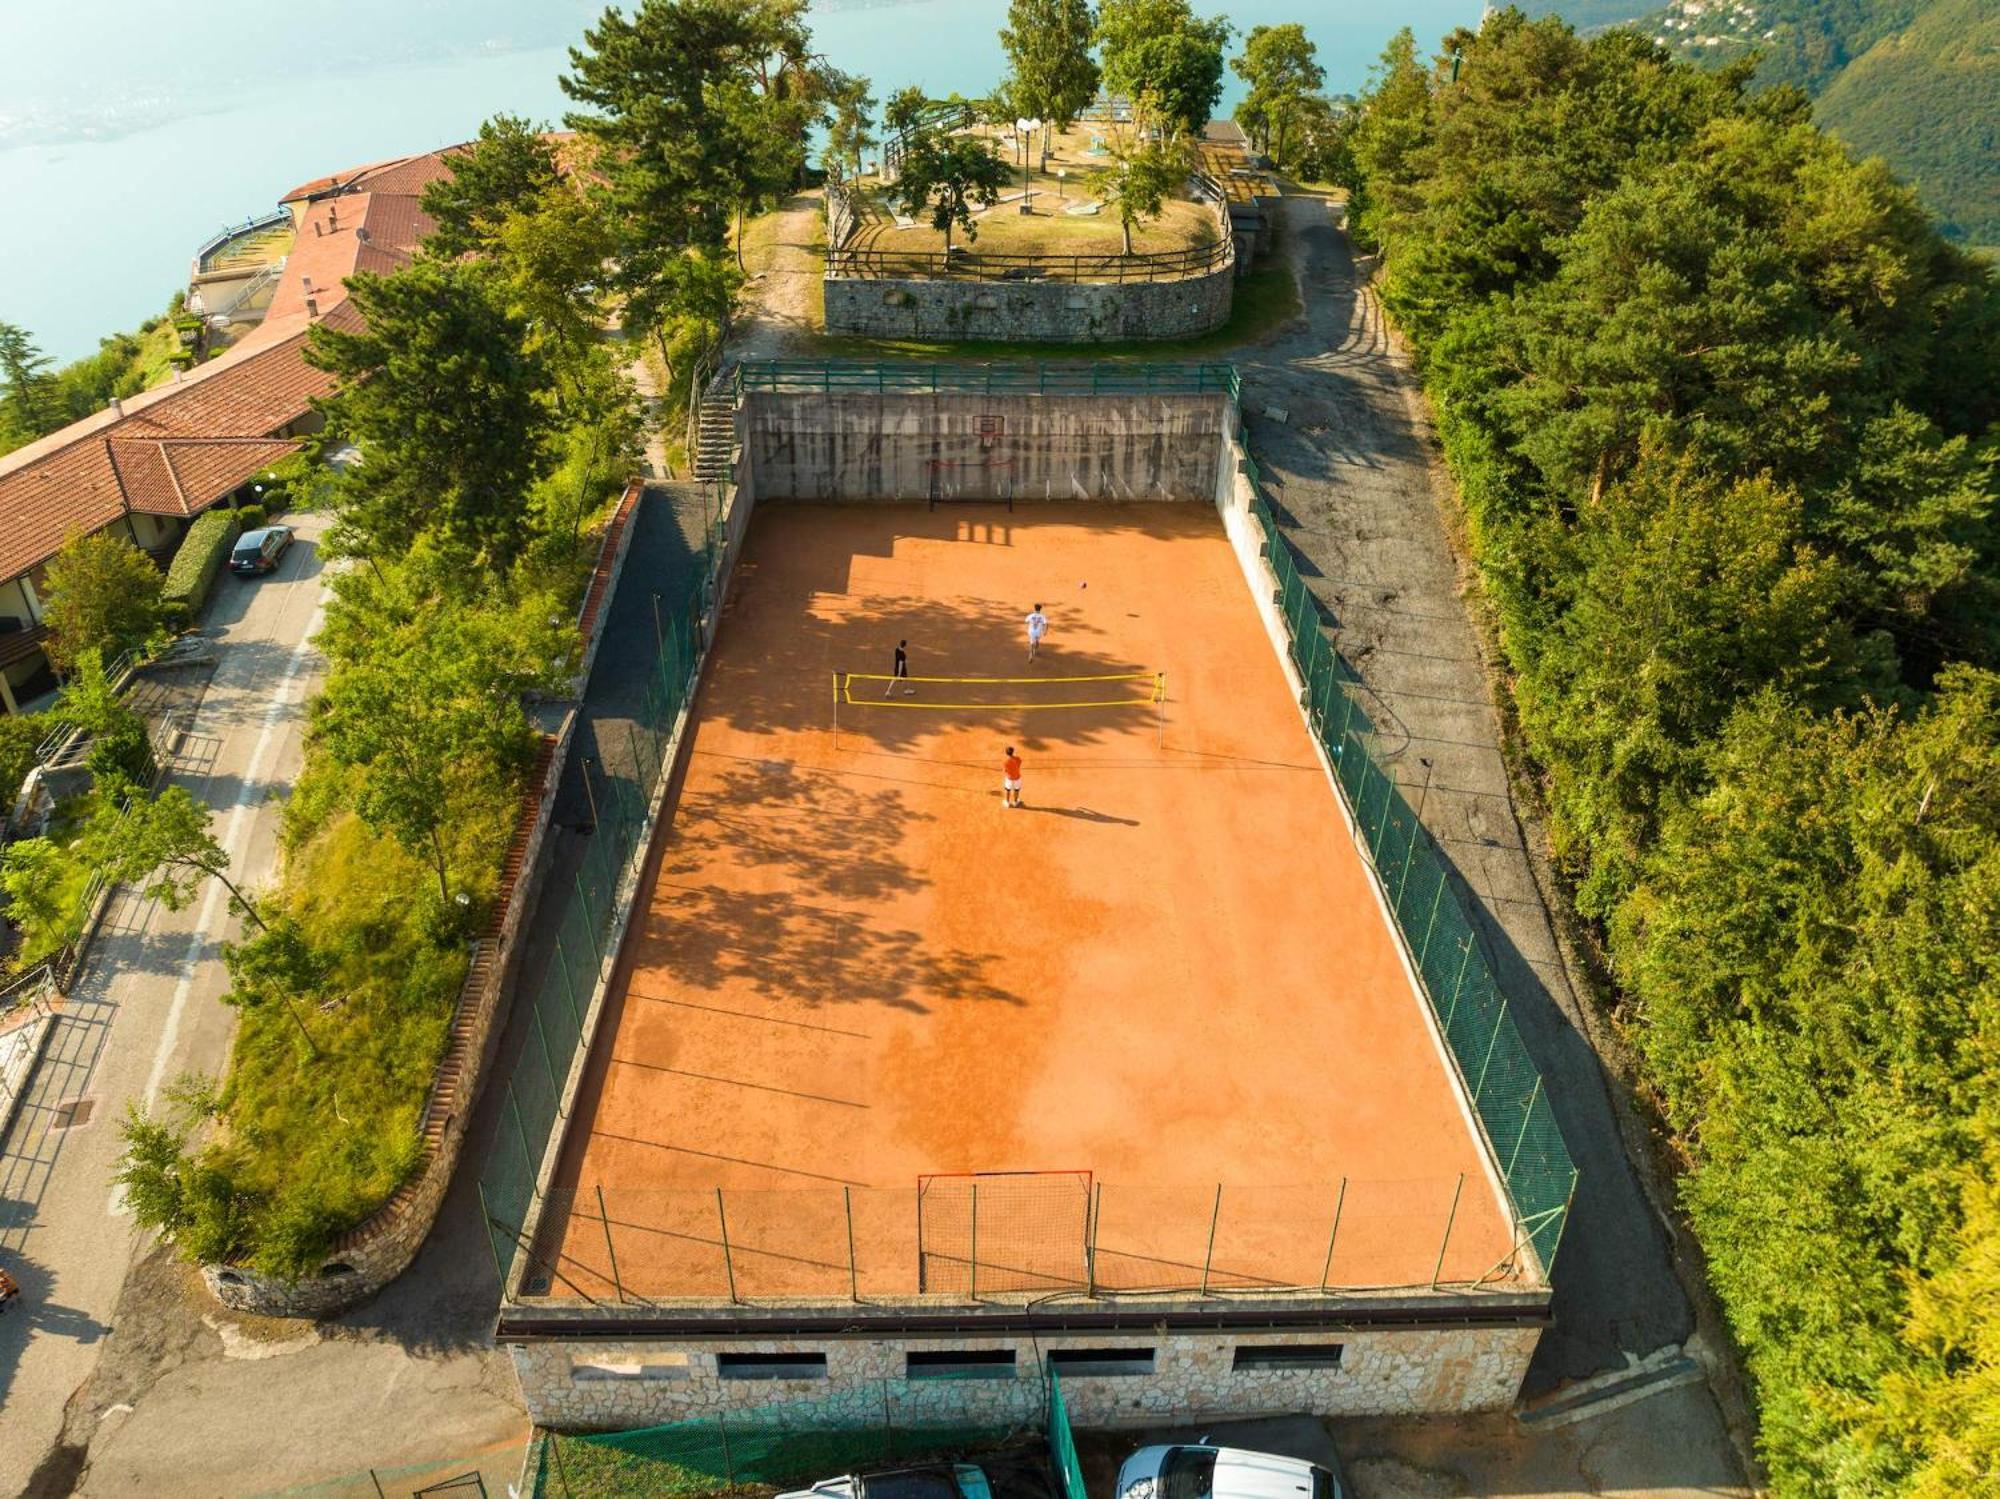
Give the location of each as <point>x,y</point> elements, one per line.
<point>1031,311</point>
<point>604,1386</point>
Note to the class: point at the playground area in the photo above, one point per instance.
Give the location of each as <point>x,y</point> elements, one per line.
<point>876,1035</point>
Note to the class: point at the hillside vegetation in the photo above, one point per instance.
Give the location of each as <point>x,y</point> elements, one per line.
<point>1928,99</point>
<point>1721,406</point>
<point>1914,81</point>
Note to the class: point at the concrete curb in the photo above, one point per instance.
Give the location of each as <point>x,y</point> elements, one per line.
<point>20,1062</point>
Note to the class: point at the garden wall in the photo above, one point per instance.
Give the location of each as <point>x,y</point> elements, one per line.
<point>1031,311</point>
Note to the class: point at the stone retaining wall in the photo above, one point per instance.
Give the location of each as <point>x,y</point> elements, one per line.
<point>1031,311</point>
<point>609,1386</point>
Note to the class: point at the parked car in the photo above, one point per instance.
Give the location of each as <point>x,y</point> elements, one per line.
<point>259,551</point>
<point>1199,1471</point>
<point>931,1481</point>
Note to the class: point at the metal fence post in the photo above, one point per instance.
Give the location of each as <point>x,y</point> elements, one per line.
<point>1208,1255</point>
<point>728,1262</point>
<point>974,1282</point>
<point>527,1155</point>
<point>1339,1202</point>
<point>1451,1218</point>
<point>728,1465</point>
<point>590,923</point>
<point>1479,1088</point>
<point>853,1276</point>
<point>562,1473</point>
<point>1090,1242</point>
<point>569,987</point>
<point>1464,962</point>
<point>604,1217</point>
<point>1430,925</point>
<point>548,1062</point>
<point>486,1223</point>
<point>1526,1114</point>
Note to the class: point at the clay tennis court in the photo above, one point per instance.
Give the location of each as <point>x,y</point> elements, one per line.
<point>851,968</point>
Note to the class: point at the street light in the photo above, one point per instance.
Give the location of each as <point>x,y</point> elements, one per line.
<point>1062,175</point>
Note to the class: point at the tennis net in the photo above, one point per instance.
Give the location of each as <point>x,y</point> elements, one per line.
<point>867,689</point>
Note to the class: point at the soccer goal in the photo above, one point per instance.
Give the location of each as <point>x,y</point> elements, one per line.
<point>1003,1231</point>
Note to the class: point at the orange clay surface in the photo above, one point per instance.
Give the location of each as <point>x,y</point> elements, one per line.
<point>851,966</point>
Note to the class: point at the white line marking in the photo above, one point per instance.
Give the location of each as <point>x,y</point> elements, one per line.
<point>233,836</point>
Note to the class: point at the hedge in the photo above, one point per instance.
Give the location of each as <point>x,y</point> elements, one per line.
<point>199,557</point>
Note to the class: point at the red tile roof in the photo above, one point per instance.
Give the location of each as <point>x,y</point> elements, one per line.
<point>179,448</point>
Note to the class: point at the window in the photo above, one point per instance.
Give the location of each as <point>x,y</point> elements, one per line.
<point>961,1363</point>
<point>1076,1363</point>
<point>1255,1356</point>
<point>660,1366</point>
<point>771,1365</point>
<point>1188,1473</point>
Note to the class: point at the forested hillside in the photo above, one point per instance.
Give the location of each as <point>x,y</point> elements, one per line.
<point>1915,81</point>
<point>1721,405</point>
<point>1928,99</point>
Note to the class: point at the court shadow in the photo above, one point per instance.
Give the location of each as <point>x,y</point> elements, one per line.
<point>1081,814</point>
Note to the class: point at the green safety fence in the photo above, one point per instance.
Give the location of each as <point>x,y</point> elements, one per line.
<point>866,1425</point>
<point>581,914</point>
<point>1024,377</point>
<point>1062,1442</point>
<point>1502,1081</point>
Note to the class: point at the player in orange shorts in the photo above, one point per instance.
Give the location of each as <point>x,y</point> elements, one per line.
<point>1010,779</point>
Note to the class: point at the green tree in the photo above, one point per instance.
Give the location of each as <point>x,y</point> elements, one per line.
<point>423,695</point>
<point>508,169</point>
<point>1164,59</point>
<point>850,126</point>
<point>446,398</point>
<point>943,175</point>
<point>1281,65</point>
<point>904,111</point>
<point>30,401</point>
<point>279,964</point>
<point>102,594</point>
<point>42,881</point>
<point>1139,182</point>
<point>1048,49</point>
<point>161,845</point>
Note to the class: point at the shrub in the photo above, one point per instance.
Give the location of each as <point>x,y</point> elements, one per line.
<point>103,594</point>
<point>199,557</point>
<point>123,752</point>
<point>20,735</point>
<point>250,517</point>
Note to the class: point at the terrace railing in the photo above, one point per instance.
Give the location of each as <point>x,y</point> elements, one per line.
<point>1024,377</point>
<point>974,265</point>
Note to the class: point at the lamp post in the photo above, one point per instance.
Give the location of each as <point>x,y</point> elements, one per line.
<point>1062,176</point>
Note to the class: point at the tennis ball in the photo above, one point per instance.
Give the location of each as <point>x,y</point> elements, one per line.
<point>1083,585</point>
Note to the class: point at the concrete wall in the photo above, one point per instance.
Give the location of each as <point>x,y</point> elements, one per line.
<point>1403,1371</point>
<point>851,446</point>
<point>1031,311</point>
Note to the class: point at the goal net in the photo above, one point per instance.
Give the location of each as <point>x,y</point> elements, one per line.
<point>1003,1231</point>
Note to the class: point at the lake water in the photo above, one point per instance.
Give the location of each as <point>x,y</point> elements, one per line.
<point>132,129</point>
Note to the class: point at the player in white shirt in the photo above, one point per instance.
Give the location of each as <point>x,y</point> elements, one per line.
<point>1038,626</point>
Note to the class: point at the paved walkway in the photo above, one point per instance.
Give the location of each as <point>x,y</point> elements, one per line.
<point>1356,480</point>
<point>143,1012</point>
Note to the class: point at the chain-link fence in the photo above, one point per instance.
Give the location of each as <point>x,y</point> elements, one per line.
<point>581,913</point>
<point>1457,980</point>
<point>883,1422</point>
<point>1017,1235</point>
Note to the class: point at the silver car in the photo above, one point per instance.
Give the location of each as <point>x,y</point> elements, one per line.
<point>1199,1471</point>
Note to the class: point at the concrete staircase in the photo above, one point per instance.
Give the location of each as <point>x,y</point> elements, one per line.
<point>715,437</point>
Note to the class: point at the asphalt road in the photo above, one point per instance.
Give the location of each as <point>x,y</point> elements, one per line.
<point>144,1012</point>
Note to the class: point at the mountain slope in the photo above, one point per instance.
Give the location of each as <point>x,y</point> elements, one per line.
<point>1928,99</point>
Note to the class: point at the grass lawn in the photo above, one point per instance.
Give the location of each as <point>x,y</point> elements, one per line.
<point>323,1140</point>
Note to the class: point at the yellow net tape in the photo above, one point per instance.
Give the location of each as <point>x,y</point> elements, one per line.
<point>1155,681</point>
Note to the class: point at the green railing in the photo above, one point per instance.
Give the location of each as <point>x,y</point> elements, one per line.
<point>1457,980</point>
<point>582,915</point>
<point>1024,377</point>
